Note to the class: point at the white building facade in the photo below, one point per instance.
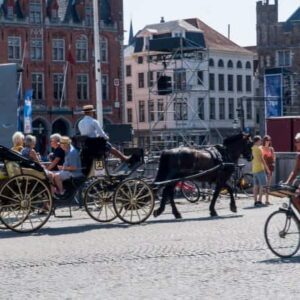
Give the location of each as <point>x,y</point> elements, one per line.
<point>182,88</point>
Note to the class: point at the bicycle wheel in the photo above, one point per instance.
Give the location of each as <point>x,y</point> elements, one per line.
<point>282,233</point>
<point>245,183</point>
<point>190,191</point>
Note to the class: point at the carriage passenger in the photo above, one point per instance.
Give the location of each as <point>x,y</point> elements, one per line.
<point>295,172</point>
<point>57,157</point>
<point>18,141</point>
<point>28,151</point>
<point>70,168</point>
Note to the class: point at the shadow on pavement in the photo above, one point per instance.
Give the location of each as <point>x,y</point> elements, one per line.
<point>278,260</point>
<point>192,219</point>
<point>5,234</point>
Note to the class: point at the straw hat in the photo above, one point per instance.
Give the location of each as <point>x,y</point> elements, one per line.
<point>65,140</point>
<point>88,108</point>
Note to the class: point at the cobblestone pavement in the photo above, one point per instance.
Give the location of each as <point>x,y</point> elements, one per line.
<point>197,257</point>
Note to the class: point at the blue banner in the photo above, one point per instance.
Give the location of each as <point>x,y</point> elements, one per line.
<point>273,95</point>
<point>28,112</point>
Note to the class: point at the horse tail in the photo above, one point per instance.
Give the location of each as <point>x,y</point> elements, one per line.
<point>163,167</point>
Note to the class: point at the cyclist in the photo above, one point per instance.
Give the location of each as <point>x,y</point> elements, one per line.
<point>296,169</point>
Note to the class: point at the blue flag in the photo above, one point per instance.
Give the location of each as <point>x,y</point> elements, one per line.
<point>28,112</point>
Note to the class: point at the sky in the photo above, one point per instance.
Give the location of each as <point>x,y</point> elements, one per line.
<point>218,14</point>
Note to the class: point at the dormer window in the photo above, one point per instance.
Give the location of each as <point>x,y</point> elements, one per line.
<point>10,12</point>
<point>35,12</point>
<point>54,14</point>
<point>178,34</point>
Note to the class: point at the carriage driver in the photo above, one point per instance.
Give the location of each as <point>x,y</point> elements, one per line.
<point>90,127</point>
<point>71,166</point>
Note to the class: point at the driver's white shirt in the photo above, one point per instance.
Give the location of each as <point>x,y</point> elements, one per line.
<point>91,127</point>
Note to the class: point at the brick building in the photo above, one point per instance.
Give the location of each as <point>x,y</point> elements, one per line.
<point>44,36</point>
<point>278,49</point>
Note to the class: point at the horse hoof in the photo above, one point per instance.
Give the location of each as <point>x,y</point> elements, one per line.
<point>156,213</point>
<point>213,214</point>
<point>178,216</point>
<point>233,209</point>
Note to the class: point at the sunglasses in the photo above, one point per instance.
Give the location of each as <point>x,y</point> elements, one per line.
<point>297,142</point>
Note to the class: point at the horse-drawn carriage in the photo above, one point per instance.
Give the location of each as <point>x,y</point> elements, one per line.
<point>26,201</point>
<point>25,189</point>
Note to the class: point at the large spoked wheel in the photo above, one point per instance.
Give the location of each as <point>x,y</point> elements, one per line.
<point>190,191</point>
<point>282,233</point>
<point>133,201</point>
<point>26,203</point>
<point>98,201</point>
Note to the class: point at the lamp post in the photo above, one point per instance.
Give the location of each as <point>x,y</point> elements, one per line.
<point>98,76</point>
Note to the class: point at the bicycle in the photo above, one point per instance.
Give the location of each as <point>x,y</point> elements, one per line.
<point>241,182</point>
<point>282,227</point>
<point>189,190</point>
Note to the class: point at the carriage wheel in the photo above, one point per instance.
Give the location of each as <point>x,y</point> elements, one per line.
<point>98,201</point>
<point>25,202</point>
<point>133,201</point>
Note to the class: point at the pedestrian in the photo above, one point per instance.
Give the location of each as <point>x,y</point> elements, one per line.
<point>259,170</point>
<point>90,127</point>
<point>18,141</point>
<point>57,157</point>
<point>269,157</point>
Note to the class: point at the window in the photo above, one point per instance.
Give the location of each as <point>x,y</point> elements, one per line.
<point>35,12</point>
<point>58,81</point>
<point>141,111</point>
<point>231,108</point>
<point>211,82</point>
<point>179,79</point>
<point>248,65</point>
<point>211,62</point>
<point>220,63</point>
<point>151,111</point>
<point>221,82</point>
<point>160,110</point>
<point>141,82</point>
<point>221,109</point>
<point>128,70</point>
<point>201,108</point>
<point>37,82</point>
<point>200,78</point>
<point>14,48</point>
<point>104,87</point>
<point>103,49</point>
<point>248,83</point>
<point>129,115</point>
<point>36,49</point>
<point>180,110</point>
<point>58,49</point>
<point>129,91</point>
<point>283,58</point>
<point>249,109</point>
<point>82,87</point>
<point>150,78</point>
<point>212,109</point>
<point>140,60</point>
<point>239,64</point>
<point>10,12</point>
<point>230,83</point>
<point>88,15</point>
<point>239,83</point>
<point>230,64</point>
<point>82,49</point>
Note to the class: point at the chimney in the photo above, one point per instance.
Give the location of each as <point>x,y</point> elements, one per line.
<point>162,20</point>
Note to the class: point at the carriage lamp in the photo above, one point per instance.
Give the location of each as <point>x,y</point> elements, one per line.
<point>235,124</point>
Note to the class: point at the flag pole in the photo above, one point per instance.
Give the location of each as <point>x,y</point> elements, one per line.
<point>98,76</point>
<point>64,84</point>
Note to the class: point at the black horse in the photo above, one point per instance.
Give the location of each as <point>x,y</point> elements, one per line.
<point>217,163</point>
